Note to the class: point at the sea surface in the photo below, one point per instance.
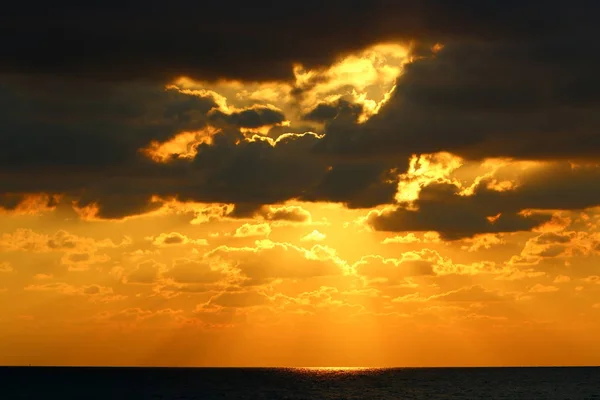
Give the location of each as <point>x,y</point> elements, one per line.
<point>92,383</point>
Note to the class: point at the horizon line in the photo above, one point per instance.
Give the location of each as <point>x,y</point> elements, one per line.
<point>321,368</point>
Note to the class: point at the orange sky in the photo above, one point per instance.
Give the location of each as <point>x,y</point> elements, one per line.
<point>323,291</point>
<point>476,257</point>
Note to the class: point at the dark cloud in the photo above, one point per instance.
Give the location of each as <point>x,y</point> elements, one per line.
<point>51,123</point>
<point>9,201</point>
<point>529,99</point>
<point>113,203</point>
<point>250,118</point>
<point>358,185</point>
<point>230,170</point>
<point>441,208</point>
<point>250,174</point>
<point>514,79</point>
<point>452,218</point>
<point>342,109</point>
<point>245,210</point>
<point>253,41</point>
<point>257,172</point>
<point>321,113</point>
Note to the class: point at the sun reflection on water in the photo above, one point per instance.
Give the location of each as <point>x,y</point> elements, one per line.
<point>335,370</point>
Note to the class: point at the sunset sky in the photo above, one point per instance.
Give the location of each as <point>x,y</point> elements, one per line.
<point>321,183</point>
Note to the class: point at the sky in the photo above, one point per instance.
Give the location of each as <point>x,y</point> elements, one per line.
<point>341,183</point>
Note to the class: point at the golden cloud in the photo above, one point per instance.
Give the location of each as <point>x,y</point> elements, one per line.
<point>175,239</point>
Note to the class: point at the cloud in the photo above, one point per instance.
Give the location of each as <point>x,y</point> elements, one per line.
<point>174,239</point>
<point>217,316</point>
<point>324,112</point>
<point>485,241</point>
<point>105,123</point>
<point>135,315</point>
<point>408,238</point>
<point>76,261</point>
<point>28,240</point>
<point>182,145</point>
<point>126,136</point>
<point>78,252</point>
<point>233,169</point>
<point>259,35</point>
<point>27,204</point>
<point>255,117</point>
<point>562,279</point>
<point>539,288</point>
<point>188,271</point>
<point>453,220</point>
<point>240,299</point>
<point>425,262</point>
<point>560,244</point>
<point>325,300</point>
<point>270,260</point>
<point>250,230</point>
<point>314,236</point>
<point>147,272</point>
<point>553,238</point>
<point>592,279</point>
<point>446,101</point>
<point>393,271</point>
<point>356,184</point>
<point>427,237</point>
<point>469,294</point>
<point>94,292</point>
<point>446,208</point>
<point>475,293</point>
<point>286,213</point>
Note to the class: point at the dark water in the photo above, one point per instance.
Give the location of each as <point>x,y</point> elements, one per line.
<point>274,383</point>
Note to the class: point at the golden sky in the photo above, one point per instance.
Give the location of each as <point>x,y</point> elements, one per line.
<point>419,198</point>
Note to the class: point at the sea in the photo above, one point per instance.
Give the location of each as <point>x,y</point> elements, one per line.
<point>91,383</point>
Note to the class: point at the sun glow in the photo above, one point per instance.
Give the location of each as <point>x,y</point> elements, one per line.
<point>366,78</point>
<point>370,74</point>
<point>315,200</point>
<point>424,170</point>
